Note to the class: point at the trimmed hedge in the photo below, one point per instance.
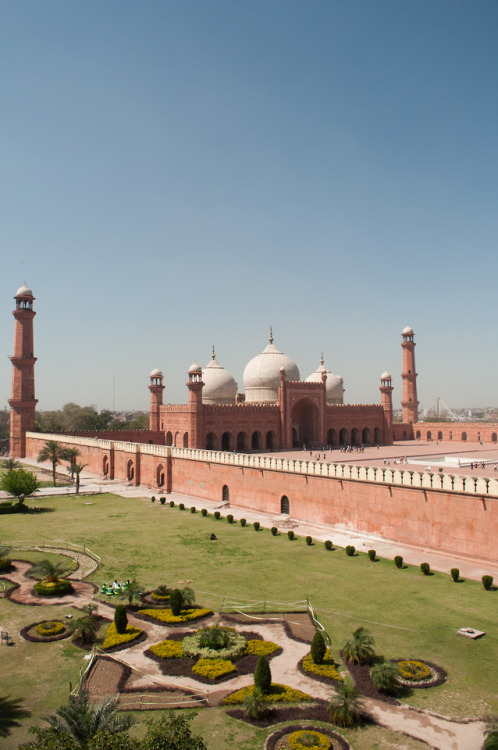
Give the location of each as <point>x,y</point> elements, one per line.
<point>398,561</point>
<point>455,575</point>
<point>5,564</point>
<point>256,525</point>
<point>309,541</point>
<point>230,518</point>
<point>350,550</point>
<point>274,531</point>
<point>53,588</point>
<point>328,545</point>
<point>193,509</point>
<point>243,522</point>
<point>204,512</point>
<point>487,582</point>
<point>372,555</point>
<point>425,569</point>
<point>162,500</point>
<point>171,503</point>
<point>217,514</point>
<point>291,535</point>
<point>182,506</point>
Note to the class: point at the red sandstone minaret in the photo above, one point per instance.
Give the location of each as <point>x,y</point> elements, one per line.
<point>386,400</point>
<point>156,389</point>
<point>22,401</point>
<point>409,402</point>
<point>195,386</point>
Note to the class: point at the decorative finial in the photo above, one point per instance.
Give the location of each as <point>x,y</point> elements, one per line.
<point>271,335</point>
<point>213,356</point>
<point>321,359</point>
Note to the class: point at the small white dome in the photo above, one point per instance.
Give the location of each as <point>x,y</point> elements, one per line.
<point>24,291</point>
<point>386,375</point>
<point>262,374</point>
<point>408,331</point>
<point>219,386</point>
<point>195,367</point>
<point>334,386</point>
<point>156,373</point>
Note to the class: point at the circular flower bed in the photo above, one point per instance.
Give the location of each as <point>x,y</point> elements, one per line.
<point>53,588</point>
<point>303,737</point>
<point>419,674</point>
<point>50,627</point>
<point>45,631</point>
<point>214,643</point>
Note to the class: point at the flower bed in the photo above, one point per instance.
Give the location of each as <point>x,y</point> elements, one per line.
<point>166,616</point>
<point>416,673</point>
<point>213,669</point>
<point>306,738</point>
<point>115,641</point>
<point>53,588</point>
<point>168,649</point>
<point>324,672</point>
<point>49,628</point>
<point>32,633</point>
<point>278,694</point>
<point>281,739</point>
<point>236,645</point>
<point>262,648</point>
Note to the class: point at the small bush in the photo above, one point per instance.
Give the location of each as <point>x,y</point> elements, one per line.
<point>53,588</point>
<point>193,509</point>
<point>309,541</point>
<point>182,506</point>
<point>256,525</point>
<point>175,602</point>
<point>171,503</point>
<point>217,514</point>
<point>162,500</point>
<point>318,648</point>
<point>274,531</point>
<point>153,499</point>
<point>291,535</point>
<point>230,518</point>
<point>350,550</point>
<point>398,561</point>
<point>262,675</point>
<point>204,512</point>
<point>455,574</point>
<point>372,555</point>
<point>487,582</point>
<point>121,619</point>
<point>425,569</point>
<point>243,521</point>
<point>5,564</point>
<point>328,545</point>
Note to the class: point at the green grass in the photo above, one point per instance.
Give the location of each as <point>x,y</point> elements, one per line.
<point>408,614</point>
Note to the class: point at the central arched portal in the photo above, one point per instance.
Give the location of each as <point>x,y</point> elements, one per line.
<point>304,423</point>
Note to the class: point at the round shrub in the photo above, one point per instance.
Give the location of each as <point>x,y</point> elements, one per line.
<point>204,512</point>
<point>193,509</point>
<point>487,582</point>
<point>262,675</point>
<point>49,628</point>
<point>243,521</point>
<point>455,574</point>
<point>274,531</point>
<point>214,643</point>
<point>385,676</point>
<point>350,550</point>
<point>328,545</point>
<point>153,499</point>
<point>256,525</point>
<point>398,561</point>
<point>309,541</point>
<point>5,564</point>
<point>230,518</point>
<point>182,506</point>
<point>175,602</point>
<point>121,619</point>
<point>171,503</point>
<point>217,514</point>
<point>425,569</point>
<point>318,648</point>
<point>53,588</point>
<point>291,535</point>
<point>162,500</point>
<point>372,555</point>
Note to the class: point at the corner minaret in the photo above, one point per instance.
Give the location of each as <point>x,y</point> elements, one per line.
<point>386,399</point>
<point>409,402</point>
<point>156,389</point>
<point>195,406</point>
<point>22,401</point>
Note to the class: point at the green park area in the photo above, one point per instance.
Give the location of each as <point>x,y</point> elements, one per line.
<point>409,615</point>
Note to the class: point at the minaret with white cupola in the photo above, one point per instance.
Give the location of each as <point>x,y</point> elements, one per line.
<point>22,401</point>
<point>409,402</point>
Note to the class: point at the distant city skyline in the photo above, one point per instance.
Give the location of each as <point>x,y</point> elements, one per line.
<point>182,175</point>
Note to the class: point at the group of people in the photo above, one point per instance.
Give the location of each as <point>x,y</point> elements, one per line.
<point>114,588</point>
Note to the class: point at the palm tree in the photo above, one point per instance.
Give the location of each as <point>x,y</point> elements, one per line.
<point>188,597</point>
<point>71,456</point>
<point>54,452</point>
<point>11,711</point>
<point>50,571</point>
<point>360,649</point>
<point>345,706</point>
<point>82,719</point>
<point>385,676</point>
<point>256,704</point>
<point>77,469</point>
<point>133,591</point>
<point>84,629</point>
<point>10,464</point>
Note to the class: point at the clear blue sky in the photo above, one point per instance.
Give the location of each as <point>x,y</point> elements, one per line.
<point>181,174</point>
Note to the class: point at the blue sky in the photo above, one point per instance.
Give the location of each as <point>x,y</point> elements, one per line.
<point>181,174</point>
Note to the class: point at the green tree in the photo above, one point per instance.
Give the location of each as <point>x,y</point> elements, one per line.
<point>345,706</point>
<point>19,483</point>
<point>49,738</point>
<point>172,733</point>
<point>49,571</point>
<point>10,464</point>
<point>84,629</point>
<point>175,602</point>
<point>256,704</point>
<point>188,597</point>
<point>360,649</point>
<point>318,648</point>
<point>11,711</point>
<point>83,719</point>
<point>120,618</point>
<point>133,591</point>
<point>262,675</point>
<point>385,677</point>
<point>54,452</point>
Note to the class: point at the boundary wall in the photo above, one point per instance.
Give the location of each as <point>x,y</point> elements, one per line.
<point>457,514</point>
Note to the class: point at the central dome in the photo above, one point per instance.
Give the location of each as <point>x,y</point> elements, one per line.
<point>262,374</point>
<point>219,386</point>
<point>334,387</point>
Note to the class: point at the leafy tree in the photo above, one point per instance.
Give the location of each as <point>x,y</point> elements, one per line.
<point>188,597</point>
<point>11,710</point>
<point>360,649</point>
<point>49,571</point>
<point>172,733</point>
<point>175,602</point>
<point>10,464</point>
<point>120,619</point>
<point>262,675</point>
<point>345,706</point>
<point>54,452</point>
<point>318,648</point>
<point>49,738</point>
<point>19,483</point>
<point>133,591</point>
<point>83,719</point>
<point>256,704</point>
<point>84,629</point>
<point>385,677</point>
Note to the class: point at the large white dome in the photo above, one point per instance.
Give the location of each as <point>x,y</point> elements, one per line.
<point>24,291</point>
<point>262,374</point>
<point>219,386</point>
<point>334,386</point>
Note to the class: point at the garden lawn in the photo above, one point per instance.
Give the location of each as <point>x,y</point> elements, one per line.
<point>408,614</point>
